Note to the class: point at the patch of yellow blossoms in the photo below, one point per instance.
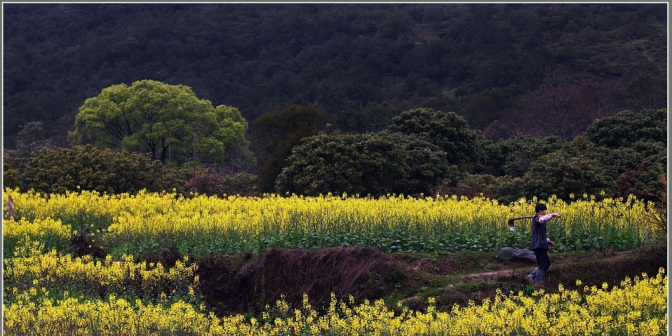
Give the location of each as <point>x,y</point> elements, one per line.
<point>29,268</point>
<point>634,308</point>
<point>169,215</point>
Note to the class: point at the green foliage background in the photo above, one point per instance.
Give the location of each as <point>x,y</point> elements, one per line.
<point>361,63</point>
<point>535,99</point>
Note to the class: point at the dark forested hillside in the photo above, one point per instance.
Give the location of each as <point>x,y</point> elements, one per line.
<point>503,67</point>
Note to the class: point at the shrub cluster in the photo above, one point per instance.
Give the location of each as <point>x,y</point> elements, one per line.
<point>87,168</point>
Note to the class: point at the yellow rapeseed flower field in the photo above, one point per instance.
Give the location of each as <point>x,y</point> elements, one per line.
<point>30,267</point>
<point>635,308</point>
<point>47,291</point>
<point>205,225</point>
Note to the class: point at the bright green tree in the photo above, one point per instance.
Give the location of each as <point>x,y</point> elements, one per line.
<point>167,122</point>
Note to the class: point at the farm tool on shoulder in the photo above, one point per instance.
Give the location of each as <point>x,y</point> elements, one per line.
<point>511,221</point>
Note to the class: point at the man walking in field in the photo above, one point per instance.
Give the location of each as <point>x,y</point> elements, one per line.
<point>539,243</point>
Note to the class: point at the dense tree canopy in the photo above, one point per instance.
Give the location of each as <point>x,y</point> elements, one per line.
<point>584,167</point>
<point>276,132</point>
<point>366,164</point>
<point>617,156</point>
<point>87,168</point>
<point>528,80</point>
<point>477,60</point>
<point>514,156</point>
<point>626,128</point>
<point>168,122</point>
<point>448,130</point>
<point>576,171</point>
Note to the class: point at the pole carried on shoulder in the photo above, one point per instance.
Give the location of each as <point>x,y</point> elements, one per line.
<point>511,220</point>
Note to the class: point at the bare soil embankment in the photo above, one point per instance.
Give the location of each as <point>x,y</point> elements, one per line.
<point>245,284</point>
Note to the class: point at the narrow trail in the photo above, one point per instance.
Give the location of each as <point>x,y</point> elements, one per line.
<point>492,274</point>
<point>519,270</point>
<point>592,269</point>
